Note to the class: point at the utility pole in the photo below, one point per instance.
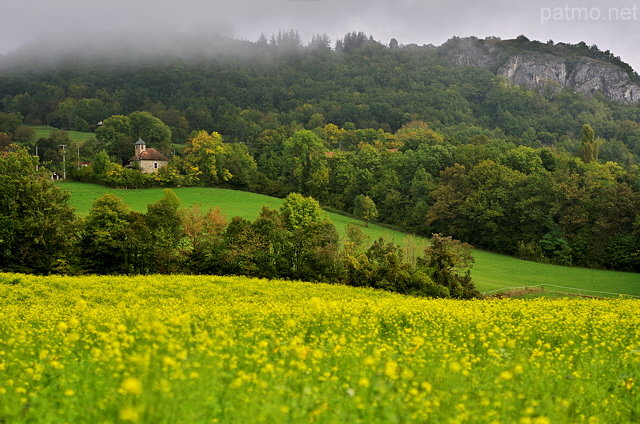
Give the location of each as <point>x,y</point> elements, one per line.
<point>37,164</point>
<point>64,161</point>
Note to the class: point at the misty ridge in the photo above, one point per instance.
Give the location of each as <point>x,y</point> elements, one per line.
<point>147,47</point>
<point>579,67</point>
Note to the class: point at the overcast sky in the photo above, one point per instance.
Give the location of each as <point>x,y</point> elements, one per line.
<point>612,25</point>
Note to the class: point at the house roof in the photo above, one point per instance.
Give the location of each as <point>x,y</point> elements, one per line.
<point>140,142</point>
<point>150,154</point>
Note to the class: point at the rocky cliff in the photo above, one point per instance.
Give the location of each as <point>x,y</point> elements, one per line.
<point>535,65</point>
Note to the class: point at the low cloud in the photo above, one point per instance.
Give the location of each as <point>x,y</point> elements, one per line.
<point>409,21</point>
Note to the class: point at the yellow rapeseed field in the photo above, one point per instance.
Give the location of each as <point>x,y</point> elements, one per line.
<point>184,349</point>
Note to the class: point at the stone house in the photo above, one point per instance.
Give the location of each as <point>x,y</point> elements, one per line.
<point>148,160</point>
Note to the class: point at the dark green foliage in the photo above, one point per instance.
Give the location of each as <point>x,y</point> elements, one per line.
<point>623,253</point>
<point>241,165</point>
<point>296,242</point>
<point>101,165</point>
<point>310,235</point>
<point>202,244</point>
<point>119,132</point>
<point>115,240</point>
<point>166,229</point>
<point>448,262</point>
<point>273,242</point>
<point>9,122</point>
<point>36,222</point>
<point>382,266</point>
<point>480,204</point>
<point>304,163</point>
<point>556,247</point>
<point>240,248</point>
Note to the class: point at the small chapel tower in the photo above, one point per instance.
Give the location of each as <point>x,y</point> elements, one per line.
<point>140,147</point>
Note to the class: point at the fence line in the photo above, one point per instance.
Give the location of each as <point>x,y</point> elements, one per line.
<point>512,288</point>
<point>542,286</point>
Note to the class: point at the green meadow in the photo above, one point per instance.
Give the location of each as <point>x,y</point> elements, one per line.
<point>43,131</point>
<point>490,272</point>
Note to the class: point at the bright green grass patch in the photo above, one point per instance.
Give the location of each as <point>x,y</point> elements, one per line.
<point>231,202</point>
<point>184,349</point>
<point>43,131</point>
<point>490,272</point>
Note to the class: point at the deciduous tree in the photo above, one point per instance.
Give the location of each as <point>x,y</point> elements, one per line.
<point>448,263</point>
<point>165,225</point>
<point>36,220</point>
<point>365,208</point>
<point>202,244</point>
<point>310,230</point>
<point>305,166</point>
<point>115,240</point>
<point>203,163</point>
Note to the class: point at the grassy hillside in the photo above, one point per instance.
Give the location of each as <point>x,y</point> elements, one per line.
<point>490,272</point>
<point>231,202</point>
<point>187,349</point>
<point>43,131</point>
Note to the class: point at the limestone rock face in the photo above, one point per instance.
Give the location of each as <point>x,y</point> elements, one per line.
<point>535,69</point>
<point>591,76</point>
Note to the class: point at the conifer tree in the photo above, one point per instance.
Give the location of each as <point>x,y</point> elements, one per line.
<point>590,147</point>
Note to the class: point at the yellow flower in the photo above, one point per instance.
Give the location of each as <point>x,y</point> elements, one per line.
<point>131,386</point>
<point>73,322</point>
<point>56,365</point>
<point>407,374</point>
<point>369,361</point>
<point>426,386</point>
<point>129,413</point>
<point>391,369</point>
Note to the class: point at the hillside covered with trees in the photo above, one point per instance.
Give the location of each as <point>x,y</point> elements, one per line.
<point>388,132</point>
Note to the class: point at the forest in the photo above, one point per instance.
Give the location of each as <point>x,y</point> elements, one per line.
<point>390,133</point>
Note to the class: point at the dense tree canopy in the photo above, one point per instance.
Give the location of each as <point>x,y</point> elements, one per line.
<point>434,147</point>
